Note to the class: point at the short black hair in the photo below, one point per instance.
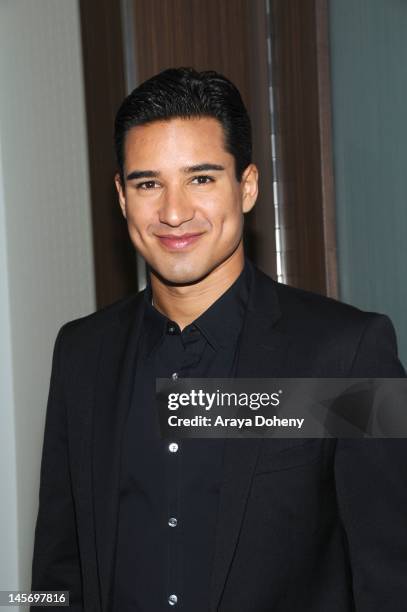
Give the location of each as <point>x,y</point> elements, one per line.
<point>186,93</point>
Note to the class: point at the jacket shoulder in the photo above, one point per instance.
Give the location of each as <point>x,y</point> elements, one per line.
<point>300,307</point>
<point>310,306</point>
<point>316,316</point>
<point>96,322</point>
<point>341,338</point>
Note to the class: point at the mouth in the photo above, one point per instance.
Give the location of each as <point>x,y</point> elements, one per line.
<point>178,243</point>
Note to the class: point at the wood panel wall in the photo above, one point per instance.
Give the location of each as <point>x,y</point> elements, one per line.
<point>102,49</point>
<point>303,110</point>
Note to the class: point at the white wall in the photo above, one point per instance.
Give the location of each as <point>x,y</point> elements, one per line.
<point>46,261</point>
<point>8,506</point>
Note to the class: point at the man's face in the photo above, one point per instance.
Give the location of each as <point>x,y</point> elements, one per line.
<point>183,204</point>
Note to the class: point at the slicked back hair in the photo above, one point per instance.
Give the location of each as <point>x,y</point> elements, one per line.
<point>185,93</point>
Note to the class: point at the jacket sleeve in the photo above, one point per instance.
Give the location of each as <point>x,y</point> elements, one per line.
<point>371,484</point>
<point>56,564</point>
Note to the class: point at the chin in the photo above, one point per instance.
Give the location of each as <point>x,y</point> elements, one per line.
<point>181,274</point>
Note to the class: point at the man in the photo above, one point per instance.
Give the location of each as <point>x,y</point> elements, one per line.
<point>129,521</point>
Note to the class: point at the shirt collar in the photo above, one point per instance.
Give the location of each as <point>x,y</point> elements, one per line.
<point>221,323</point>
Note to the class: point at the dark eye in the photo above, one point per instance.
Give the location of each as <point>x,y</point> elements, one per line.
<point>202,180</point>
<point>147,185</point>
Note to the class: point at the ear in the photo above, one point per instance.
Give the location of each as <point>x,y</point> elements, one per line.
<point>121,193</point>
<point>249,186</point>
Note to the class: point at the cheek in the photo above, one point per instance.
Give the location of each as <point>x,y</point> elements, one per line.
<point>138,218</point>
<point>229,217</point>
<point>224,209</point>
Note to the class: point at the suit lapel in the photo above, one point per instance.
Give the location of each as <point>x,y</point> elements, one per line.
<point>113,393</point>
<point>261,349</point>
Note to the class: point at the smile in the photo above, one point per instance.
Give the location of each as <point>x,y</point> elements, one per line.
<point>177,243</point>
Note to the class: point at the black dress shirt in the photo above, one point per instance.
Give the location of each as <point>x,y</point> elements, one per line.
<point>169,490</point>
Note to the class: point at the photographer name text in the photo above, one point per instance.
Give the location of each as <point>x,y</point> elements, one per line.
<point>239,423</point>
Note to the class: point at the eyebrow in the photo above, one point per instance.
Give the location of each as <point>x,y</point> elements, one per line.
<point>203,168</point>
<point>138,174</point>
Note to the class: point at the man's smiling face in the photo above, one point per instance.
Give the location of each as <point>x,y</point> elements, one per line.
<point>183,204</point>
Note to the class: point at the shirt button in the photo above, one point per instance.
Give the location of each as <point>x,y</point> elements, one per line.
<point>173,447</point>
<point>174,376</point>
<point>172,600</point>
<point>172,521</point>
<point>171,328</point>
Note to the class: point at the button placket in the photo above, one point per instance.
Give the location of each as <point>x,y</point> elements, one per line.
<point>173,579</point>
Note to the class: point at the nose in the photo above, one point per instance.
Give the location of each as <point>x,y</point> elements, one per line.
<point>176,208</point>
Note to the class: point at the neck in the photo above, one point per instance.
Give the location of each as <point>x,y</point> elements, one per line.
<point>185,303</point>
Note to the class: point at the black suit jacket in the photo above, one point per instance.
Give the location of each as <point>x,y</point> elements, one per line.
<point>304,525</point>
